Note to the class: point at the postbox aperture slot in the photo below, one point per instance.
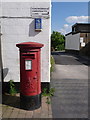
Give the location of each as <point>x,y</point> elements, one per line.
<point>28,64</point>
<point>30,55</point>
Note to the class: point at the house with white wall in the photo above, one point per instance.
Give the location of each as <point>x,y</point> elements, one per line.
<point>78,38</point>
<point>17,26</point>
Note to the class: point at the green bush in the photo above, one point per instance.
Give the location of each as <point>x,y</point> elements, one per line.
<point>49,94</point>
<point>57,41</point>
<point>60,47</point>
<point>12,90</point>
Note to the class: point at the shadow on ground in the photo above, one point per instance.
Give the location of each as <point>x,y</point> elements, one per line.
<point>64,58</point>
<point>13,101</point>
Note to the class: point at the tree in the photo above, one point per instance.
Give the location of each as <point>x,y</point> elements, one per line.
<point>57,41</point>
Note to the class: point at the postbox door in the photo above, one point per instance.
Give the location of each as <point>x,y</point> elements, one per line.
<point>29,79</point>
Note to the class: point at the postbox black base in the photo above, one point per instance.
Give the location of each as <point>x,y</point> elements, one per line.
<point>30,102</point>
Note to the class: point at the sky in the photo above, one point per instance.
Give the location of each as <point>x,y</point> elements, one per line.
<point>65,14</point>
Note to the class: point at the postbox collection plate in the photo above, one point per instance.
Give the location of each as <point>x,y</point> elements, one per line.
<point>28,64</point>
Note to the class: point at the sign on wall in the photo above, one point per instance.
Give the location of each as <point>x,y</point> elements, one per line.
<point>81,39</point>
<point>38,24</point>
<point>40,12</point>
<point>83,44</point>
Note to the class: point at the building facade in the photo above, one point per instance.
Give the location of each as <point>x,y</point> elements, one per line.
<point>79,38</point>
<point>18,25</point>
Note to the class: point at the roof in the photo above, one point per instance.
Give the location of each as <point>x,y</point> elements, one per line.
<point>80,24</point>
<point>68,33</point>
<point>80,28</point>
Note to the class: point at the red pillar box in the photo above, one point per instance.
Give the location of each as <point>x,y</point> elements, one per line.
<point>30,85</point>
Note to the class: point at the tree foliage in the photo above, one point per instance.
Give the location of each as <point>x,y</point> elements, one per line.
<point>57,40</point>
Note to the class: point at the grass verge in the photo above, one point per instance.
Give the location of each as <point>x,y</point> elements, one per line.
<point>52,64</point>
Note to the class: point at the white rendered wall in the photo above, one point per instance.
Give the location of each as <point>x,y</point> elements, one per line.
<point>72,42</point>
<point>21,29</point>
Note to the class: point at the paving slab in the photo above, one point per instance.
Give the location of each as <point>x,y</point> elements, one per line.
<point>29,114</point>
<point>37,113</point>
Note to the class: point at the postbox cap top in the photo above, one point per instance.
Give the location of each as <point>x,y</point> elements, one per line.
<point>29,45</point>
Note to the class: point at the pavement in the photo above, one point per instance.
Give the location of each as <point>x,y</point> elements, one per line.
<point>11,109</point>
<point>70,80</point>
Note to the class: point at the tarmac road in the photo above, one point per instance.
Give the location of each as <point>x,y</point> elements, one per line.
<point>70,80</point>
